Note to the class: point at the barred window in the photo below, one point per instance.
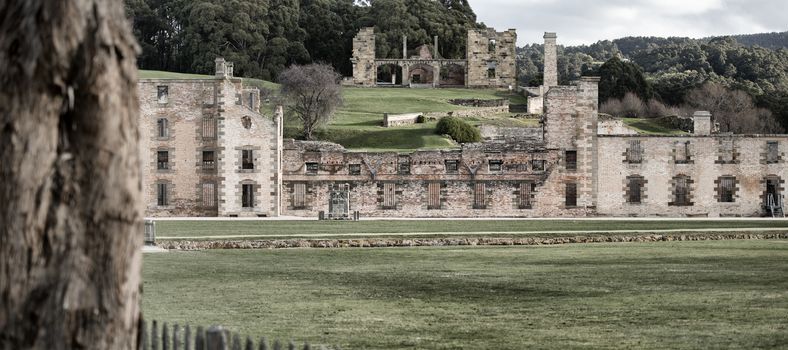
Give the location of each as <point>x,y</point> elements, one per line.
<point>163,126</point>
<point>162,160</point>
<point>479,195</point>
<point>247,195</point>
<point>209,194</point>
<point>495,165</point>
<point>537,165</point>
<point>634,152</point>
<point>354,169</point>
<point>208,160</point>
<point>635,189</point>
<point>570,199</point>
<point>727,151</point>
<point>389,195</point>
<point>491,46</point>
<point>403,167</point>
<point>312,168</point>
<point>434,195</point>
<point>299,195</point>
<point>247,159</point>
<point>682,152</point>
<point>162,94</point>
<point>452,166</point>
<point>208,128</point>
<point>772,152</point>
<point>571,160</point>
<point>726,189</point>
<point>681,190</point>
<point>524,198</point>
<point>162,195</point>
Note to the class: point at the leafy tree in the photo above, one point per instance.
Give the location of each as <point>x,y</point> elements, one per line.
<point>458,129</point>
<point>619,77</point>
<point>313,94</point>
<point>734,110</point>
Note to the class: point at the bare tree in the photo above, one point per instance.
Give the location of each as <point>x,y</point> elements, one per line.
<point>70,191</point>
<point>734,110</point>
<point>312,93</point>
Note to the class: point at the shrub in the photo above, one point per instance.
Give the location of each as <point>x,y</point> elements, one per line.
<point>421,119</point>
<point>458,130</point>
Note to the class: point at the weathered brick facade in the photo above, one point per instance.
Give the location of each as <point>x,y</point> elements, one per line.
<point>571,165</point>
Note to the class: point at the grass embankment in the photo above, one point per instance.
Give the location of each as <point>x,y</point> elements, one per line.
<point>650,126</point>
<point>436,228</point>
<point>669,295</point>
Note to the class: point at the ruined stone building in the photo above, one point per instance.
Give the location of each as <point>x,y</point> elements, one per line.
<point>207,152</point>
<point>489,62</point>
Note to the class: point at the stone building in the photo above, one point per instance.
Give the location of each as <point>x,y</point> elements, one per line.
<point>207,152</point>
<point>489,62</point>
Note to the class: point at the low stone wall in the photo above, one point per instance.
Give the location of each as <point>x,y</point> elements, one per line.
<point>614,127</point>
<point>390,120</point>
<point>511,134</point>
<point>438,242</point>
<point>480,103</point>
<point>480,112</point>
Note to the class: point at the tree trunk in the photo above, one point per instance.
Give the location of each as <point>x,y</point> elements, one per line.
<point>70,211</point>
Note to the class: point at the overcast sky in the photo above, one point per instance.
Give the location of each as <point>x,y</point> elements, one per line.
<point>587,21</point>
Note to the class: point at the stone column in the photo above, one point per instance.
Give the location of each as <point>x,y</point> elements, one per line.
<point>405,74</point>
<point>436,73</point>
<point>550,60</point>
<point>221,68</point>
<point>404,47</point>
<point>435,49</point>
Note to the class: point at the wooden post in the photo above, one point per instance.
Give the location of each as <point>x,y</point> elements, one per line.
<point>215,338</point>
<point>199,341</point>
<point>263,343</point>
<point>165,338</point>
<point>236,342</point>
<point>249,344</point>
<point>154,336</point>
<point>187,338</point>
<point>143,336</point>
<point>175,334</point>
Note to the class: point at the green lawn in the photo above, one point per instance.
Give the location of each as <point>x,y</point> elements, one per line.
<point>649,126</point>
<point>390,228</point>
<point>667,295</point>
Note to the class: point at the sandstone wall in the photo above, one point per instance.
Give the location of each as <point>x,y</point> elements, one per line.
<point>187,103</point>
<point>659,166</point>
<point>502,58</point>
<point>364,72</point>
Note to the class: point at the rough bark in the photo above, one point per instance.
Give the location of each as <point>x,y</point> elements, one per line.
<point>70,213</point>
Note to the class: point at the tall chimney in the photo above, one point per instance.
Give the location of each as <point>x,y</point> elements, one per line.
<point>701,123</point>
<point>221,68</point>
<point>435,54</point>
<point>550,60</point>
<point>405,47</point>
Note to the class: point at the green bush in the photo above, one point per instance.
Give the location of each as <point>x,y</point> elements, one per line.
<point>458,129</point>
<point>421,119</point>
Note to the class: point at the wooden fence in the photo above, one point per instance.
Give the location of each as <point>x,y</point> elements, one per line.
<point>175,337</point>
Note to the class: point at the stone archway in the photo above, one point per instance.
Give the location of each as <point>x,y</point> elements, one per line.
<point>452,75</point>
<point>421,73</point>
<point>388,74</point>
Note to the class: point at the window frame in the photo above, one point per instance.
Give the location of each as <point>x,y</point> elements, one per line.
<point>247,159</point>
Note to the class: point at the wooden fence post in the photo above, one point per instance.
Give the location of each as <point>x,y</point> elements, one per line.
<point>199,341</point>
<point>143,335</point>
<point>165,337</point>
<point>215,338</point>
<point>175,334</point>
<point>187,338</point>
<point>154,336</point>
<point>263,343</point>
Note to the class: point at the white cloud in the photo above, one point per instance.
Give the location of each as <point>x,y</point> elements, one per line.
<point>585,22</point>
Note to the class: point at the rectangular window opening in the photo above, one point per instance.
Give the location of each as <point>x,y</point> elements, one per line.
<point>163,128</point>
<point>162,94</point>
<point>682,152</point>
<point>403,167</point>
<point>247,195</point>
<point>525,195</point>
<point>299,195</point>
<point>247,159</point>
<point>634,189</point>
<point>571,160</point>
<point>208,160</point>
<point>354,169</point>
<point>389,195</point>
<point>163,160</point>
<point>209,194</point>
<point>434,195</point>
<point>726,189</point>
<point>208,128</point>
<point>452,166</point>
<point>634,152</point>
<point>495,165</point>
<point>681,191</point>
<point>571,195</point>
<point>772,152</point>
<point>537,165</point>
<point>162,195</point>
<point>312,168</point>
<point>479,195</point>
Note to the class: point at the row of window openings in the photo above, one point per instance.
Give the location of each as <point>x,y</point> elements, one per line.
<point>635,152</point>
<point>208,194</point>
<point>433,195</point>
<point>208,160</point>
<point>725,188</point>
<point>452,167</point>
<point>208,128</point>
<point>163,95</point>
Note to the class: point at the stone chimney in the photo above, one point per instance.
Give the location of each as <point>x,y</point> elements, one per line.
<point>701,123</point>
<point>221,68</point>
<point>550,60</point>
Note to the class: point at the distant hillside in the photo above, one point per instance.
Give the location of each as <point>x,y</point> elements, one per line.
<point>768,40</point>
